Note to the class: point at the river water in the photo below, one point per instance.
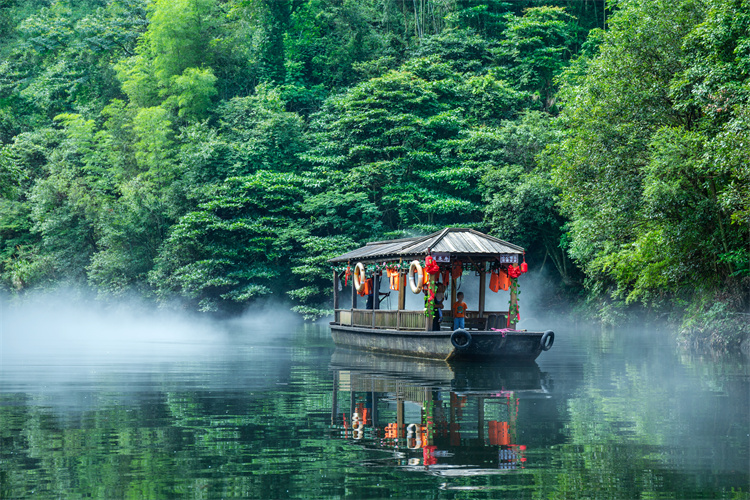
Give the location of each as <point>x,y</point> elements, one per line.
<point>274,410</point>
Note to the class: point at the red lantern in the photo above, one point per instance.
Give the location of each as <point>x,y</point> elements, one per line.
<point>524,266</point>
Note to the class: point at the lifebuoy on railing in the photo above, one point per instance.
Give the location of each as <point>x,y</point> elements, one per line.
<point>547,340</point>
<point>416,285</point>
<point>359,277</point>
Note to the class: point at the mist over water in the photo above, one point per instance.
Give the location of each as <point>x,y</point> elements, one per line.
<point>60,342</point>
<point>169,404</point>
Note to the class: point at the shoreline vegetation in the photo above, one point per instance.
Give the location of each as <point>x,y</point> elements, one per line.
<point>214,153</point>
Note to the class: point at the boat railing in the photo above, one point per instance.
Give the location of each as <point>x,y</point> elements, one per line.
<point>411,320</point>
<point>381,318</point>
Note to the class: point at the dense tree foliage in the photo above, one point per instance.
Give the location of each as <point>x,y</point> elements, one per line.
<point>649,168</point>
<point>216,151</point>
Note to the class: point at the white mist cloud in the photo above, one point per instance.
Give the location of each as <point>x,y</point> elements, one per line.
<point>50,341</point>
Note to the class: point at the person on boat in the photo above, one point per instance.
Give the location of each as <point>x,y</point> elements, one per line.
<point>437,304</point>
<point>459,312</point>
<point>439,298</point>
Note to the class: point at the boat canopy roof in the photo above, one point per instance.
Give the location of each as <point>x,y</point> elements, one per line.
<point>459,242</point>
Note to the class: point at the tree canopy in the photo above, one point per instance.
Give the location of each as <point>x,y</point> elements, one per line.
<point>211,152</point>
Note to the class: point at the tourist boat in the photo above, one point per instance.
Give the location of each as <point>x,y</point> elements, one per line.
<point>448,254</point>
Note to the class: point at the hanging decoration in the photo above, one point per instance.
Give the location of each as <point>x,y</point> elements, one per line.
<point>393,278</point>
<point>431,266</point>
<point>457,270</point>
<point>524,266</point>
<point>366,288</point>
<point>499,280</point>
<point>429,298</point>
<point>347,275</point>
<point>514,271</point>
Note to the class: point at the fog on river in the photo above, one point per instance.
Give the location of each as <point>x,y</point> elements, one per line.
<point>127,400</point>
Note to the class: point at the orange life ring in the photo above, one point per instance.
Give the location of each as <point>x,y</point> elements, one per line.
<point>359,277</point>
<point>416,284</point>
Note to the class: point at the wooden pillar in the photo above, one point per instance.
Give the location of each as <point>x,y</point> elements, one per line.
<point>453,293</point>
<point>375,291</point>
<point>354,296</point>
<point>401,290</point>
<point>335,290</point>
<point>401,297</point>
<point>482,288</point>
<point>513,305</point>
<point>427,321</point>
<point>429,313</point>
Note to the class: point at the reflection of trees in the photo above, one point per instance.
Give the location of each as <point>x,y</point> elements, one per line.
<point>185,443</point>
<point>635,426</point>
<point>624,429</point>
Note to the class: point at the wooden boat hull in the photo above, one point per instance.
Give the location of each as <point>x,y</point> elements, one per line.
<point>516,345</point>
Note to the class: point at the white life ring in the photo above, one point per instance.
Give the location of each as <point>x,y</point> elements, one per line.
<point>359,279</point>
<point>416,286</point>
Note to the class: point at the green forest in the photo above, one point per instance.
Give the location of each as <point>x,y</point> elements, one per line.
<point>209,153</point>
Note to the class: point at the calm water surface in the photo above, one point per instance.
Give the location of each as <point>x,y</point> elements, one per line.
<point>275,411</point>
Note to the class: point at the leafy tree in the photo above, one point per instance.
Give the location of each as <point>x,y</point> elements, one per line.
<point>194,89</point>
<point>263,134</point>
<point>648,169</point>
<point>327,39</point>
<point>391,138</point>
<point>23,162</point>
<point>130,228</point>
<point>153,146</point>
<point>612,107</point>
<point>236,246</point>
<point>62,61</point>
<point>484,16</point>
<point>537,46</point>
<point>173,58</point>
<point>518,190</point>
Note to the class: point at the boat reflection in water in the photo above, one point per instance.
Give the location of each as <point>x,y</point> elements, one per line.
<point>445,419</point>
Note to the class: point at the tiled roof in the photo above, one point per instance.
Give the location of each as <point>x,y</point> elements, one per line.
<point>459,242</point>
